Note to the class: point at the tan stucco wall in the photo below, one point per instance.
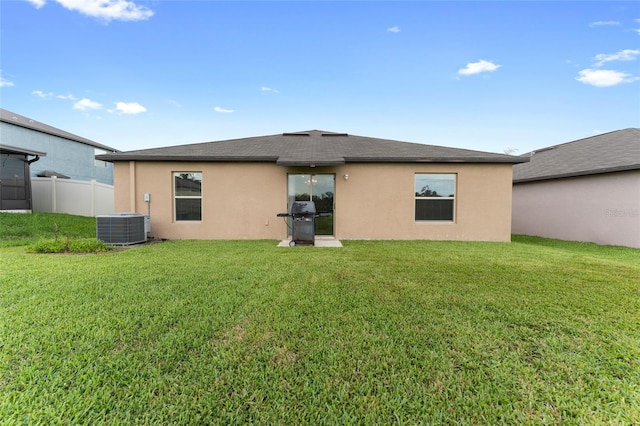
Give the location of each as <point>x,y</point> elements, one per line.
<point>603,209</point>
<point>241,200</point>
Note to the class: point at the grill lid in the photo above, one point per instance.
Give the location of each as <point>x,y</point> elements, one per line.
<point>299,208</point>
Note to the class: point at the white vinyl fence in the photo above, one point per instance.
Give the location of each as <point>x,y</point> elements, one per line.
<point>79,197</point>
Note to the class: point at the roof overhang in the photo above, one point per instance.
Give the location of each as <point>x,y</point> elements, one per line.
<point>186,158</point>
<point>18,150</point>
<point>304,162</point>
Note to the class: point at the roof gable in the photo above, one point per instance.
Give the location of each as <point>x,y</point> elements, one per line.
<point>312,148</point>
<point>605,153</point>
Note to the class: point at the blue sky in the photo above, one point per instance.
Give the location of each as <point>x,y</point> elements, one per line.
<point>490,76</point>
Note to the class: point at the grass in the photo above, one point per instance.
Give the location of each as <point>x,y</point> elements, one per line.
<point>218,332</point>
<point>51,233</point>
<point>23,229</point>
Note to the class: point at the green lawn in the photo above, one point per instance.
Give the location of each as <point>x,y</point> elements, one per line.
<point>230,332</point>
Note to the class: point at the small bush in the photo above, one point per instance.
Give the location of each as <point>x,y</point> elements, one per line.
<point>69,246</point>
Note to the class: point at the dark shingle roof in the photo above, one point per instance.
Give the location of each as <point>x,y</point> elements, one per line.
<point>605,153</point>
<point>28,123</point>
<point>313,148</point>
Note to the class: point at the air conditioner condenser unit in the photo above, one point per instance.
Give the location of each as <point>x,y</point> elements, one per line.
<point>122,228</point>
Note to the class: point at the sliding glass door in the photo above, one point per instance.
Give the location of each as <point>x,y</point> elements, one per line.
<point>320,189</point>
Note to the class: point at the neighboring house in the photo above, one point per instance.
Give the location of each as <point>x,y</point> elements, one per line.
<point>374,188</point>
<point>82,184</point>
<point>585,190</point>
<point>15,181</point>
<point>66,154</point>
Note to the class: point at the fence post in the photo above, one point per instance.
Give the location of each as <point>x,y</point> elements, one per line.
<point>54,196</point>
<point>93,197</point>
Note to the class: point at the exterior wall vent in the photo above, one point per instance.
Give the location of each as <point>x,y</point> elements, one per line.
<point>122,228</point>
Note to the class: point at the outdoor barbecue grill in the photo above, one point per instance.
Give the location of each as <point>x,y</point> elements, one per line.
<point>303,222</point>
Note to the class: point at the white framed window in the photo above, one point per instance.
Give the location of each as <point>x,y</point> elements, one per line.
<point>187,194</point>
<point>435,196</point>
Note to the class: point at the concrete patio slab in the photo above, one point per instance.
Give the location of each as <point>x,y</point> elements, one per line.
<point>319,242</point>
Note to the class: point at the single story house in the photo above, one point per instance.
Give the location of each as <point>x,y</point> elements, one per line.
<point>586,190</point>
<point>66,154</point>
<point>15,181</point>
<point>373,188</point>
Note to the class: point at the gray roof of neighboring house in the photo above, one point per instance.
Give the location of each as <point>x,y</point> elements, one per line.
<point>313,148</point>
<point>609,152</point>
<point>28,123</point>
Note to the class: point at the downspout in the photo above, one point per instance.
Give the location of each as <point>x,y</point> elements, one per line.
<point>29,181</point>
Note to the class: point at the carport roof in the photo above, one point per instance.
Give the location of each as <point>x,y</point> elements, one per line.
<point>312,148</point>
<point>609,152</point>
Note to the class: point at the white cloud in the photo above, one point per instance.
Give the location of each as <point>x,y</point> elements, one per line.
<point>119,10</point>
<point>5,83</point>
<point>130,108</point>
<point>623,55</point>
<point>41,94</point>
<point>86,104</point>
<point>49,95</point>
<point>223,110</point>
<point>604,78</point>
<point>394,29</point>
<point>37,3</point>
<point>269,89</point>
<point>604,23</point>
<point>68,97</point>
<point>478,67</point>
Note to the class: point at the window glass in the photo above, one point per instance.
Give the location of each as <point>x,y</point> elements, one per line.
<point>188,195</point>
<point>188,184</point>
<point>320,189</point>
<point>435,197</point>
<point>435,185</point>
<point>188,209</point>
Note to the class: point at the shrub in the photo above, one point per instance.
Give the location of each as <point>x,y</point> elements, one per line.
<point>69,246</point>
